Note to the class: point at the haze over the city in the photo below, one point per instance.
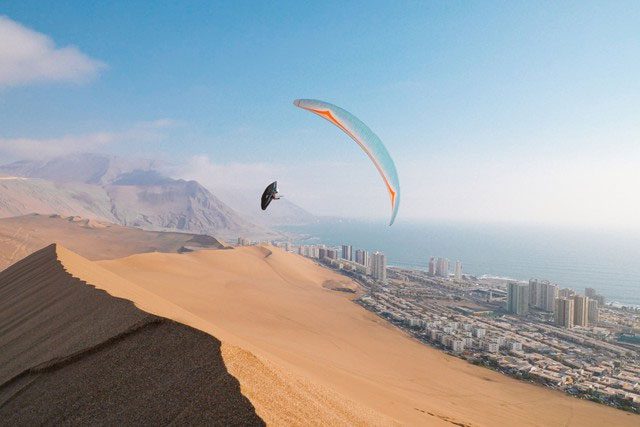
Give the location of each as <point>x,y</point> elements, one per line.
<point>493,112</point>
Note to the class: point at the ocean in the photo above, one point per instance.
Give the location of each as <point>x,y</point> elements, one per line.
<point>606,261</point>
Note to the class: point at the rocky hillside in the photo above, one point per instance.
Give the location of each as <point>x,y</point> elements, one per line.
<point>126,192</point>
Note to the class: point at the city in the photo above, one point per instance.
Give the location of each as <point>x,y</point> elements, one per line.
<point>534,331</point>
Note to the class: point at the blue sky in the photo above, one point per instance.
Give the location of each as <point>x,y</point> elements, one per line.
<point>488,108</point>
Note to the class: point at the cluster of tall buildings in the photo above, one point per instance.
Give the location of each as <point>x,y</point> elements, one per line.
<point>578,310</point>
<point>440,267</point>
<point>570,309</point>
<point>543,295</point>
<point>373,264</point>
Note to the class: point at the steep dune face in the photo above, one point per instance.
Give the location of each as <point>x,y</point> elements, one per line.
<point>274,305</point>
<point>70,353</point>
<point>70,333</point>
<point>279,395</point>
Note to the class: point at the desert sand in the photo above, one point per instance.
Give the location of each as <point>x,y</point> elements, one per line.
<point>21,236</point>
<point>274,307</point>
<point>73,354</point>
<point>247,336</point>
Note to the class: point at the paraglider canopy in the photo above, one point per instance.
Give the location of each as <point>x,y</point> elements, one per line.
<point>270,193</point>
<point>365,138</point>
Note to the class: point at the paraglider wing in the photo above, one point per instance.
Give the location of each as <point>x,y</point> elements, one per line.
<point>268,194</point>
<point>365,138</point>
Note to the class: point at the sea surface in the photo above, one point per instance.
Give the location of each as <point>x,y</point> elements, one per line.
<point>608,261</point>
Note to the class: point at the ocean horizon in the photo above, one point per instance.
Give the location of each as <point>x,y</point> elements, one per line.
<point>608,261</point>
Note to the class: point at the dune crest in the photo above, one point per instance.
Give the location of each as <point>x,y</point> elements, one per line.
<point>278,396</point>
<point>72,353</point>
<point>21,236</point>
<point>275,395</point>
<point>275,332</point>
<point>296,316</point>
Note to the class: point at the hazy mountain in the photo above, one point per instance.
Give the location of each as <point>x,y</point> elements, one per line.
<point>280,212</point>
<point>19,196</point>
<point>83,167</point>
<point>175,205</point>
<point>124,191</point>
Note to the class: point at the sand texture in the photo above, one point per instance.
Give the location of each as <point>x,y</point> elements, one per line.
<point>72,354</point>
<point>21,236</point>
<point>245,336</point>
<point>276,306</point>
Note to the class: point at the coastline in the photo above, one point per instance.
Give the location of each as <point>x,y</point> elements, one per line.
<point>609,262</point>
<point>400,305</point>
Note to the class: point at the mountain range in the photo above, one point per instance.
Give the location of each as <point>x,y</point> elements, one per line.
<point>134,192</point>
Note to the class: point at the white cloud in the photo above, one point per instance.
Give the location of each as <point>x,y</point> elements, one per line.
<point>27,56</point>
<point>44,148</point>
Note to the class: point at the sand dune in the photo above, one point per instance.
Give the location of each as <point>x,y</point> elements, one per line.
<point>20,236</point>
<point>262,337</point>
<point>278,395</point>
<point>59,334</point>
<point>72,354</point>
<point>274,306</point>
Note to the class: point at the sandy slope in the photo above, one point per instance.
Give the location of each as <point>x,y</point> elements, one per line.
<point>307,341</point>
<point>20,236</point>
<point>73,354</point>
<point>278,395</point>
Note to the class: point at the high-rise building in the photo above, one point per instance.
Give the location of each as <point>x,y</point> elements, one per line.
<point>322,253</point>
<point>379,266</point>
<point>457,274</point>
<point>362,257</point>
<point>314,251</point>
<point>566,293</point>
<point>548,296</point>
<point>580,310</point>
<point>592,294</point>
<point>432,266</point>
<point>594,312</point>
<point>347,252</point>
<point>535,293</point>
<point>517,298</point>
<point>564,312</point>
<point>442,267</point>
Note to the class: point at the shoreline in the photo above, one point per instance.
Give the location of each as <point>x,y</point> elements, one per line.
<point>574,259</point>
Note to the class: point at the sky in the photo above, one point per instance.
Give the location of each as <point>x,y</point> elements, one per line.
<point>518,112</point>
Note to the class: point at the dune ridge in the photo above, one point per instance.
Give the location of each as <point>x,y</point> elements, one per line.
<point>256,323</point>
<point>278,395</point>
<point>275,396</point>
<point>21,236</point>
<point>277,306</point>
<point>73,353</point>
